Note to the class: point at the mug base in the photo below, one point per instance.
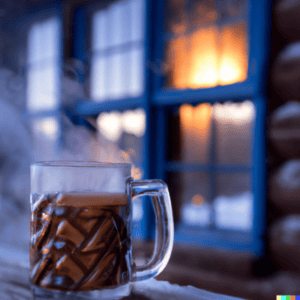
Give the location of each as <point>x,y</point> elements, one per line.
<point>104,294</point>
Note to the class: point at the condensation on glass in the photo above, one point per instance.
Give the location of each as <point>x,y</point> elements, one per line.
<point>117,46</point>
<point>234,129</point>
<point>206,43</point>
<point>218,138</point>
<point>43,72</point>
<point>195,132</point>
<point>227,127</point>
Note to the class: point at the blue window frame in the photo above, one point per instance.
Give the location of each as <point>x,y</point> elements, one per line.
<point>252,88</point>
<point>161,100</point>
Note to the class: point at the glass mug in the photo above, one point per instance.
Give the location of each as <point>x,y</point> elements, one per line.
<point>81,224</point>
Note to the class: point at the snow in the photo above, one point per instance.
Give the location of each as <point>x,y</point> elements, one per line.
<point>287,111</point>
<point>196,215</point>
<point>289,175</point>
<point>292,51</point>
<point>233,212</point>
<point>161,290</point>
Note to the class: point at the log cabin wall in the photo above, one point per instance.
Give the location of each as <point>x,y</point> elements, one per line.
<point>284,138</point>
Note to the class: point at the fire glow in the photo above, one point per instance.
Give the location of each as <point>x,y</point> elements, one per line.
<point>209,57</point>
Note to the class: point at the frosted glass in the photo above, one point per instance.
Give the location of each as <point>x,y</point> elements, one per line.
<point>195,133</point>
<point>99,26</point>
<point>115,24</point>
<point>114,76</point>
<point>234,124</point>
<point>43,40</point>
<point>137,19</point>
<point>115,29</point>
<point>125,73</point>
<point>98,79</point>
<point>42,92</point>
<point>125,22</point>
<point>137,72</point>
<point>34,53</point>
<point>202,52</point>
<point>50,38</point>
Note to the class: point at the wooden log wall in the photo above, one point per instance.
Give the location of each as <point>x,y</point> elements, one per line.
<point>284,138</point>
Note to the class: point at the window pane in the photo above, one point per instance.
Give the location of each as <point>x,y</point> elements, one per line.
<point>204,12</point>
<point>43,40</point>
<point>43,84</point>
<point>99,89</point>
<point>234,132</point>
<point>231,8</point>
<point>190,197</point>
<point>117,43</point>
<point>137,72</point>
<point>114,77</point>
<point>234,58</point>
<point>234,202</point>
<point>200,51</point>
<point>176,16</point>
<point>137,19</point>
<point>118,25</point>
<point>190,134</point>
<point>99,35</point>
<point>43,59</point>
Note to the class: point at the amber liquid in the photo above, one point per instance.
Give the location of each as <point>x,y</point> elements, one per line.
<point>80,242</point>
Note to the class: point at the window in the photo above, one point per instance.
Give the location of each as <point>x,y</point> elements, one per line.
<point>178,87</point>
<point>43,69</point>
<point>117,51</point>
<point>211,111</point>
<point>214,152</point>
<point>43,65</point>
<point>206,43</point>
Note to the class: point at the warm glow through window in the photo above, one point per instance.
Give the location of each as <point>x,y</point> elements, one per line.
<point>111,125</point>
<point>233,131</point>
<point>208,58</point>
<point>206,47</point>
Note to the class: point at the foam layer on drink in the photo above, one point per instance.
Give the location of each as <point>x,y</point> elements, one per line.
<point>89,199</point>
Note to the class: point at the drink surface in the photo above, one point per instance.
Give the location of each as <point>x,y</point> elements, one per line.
<point>80,241</point>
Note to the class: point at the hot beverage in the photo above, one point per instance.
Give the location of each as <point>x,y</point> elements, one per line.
<point>80,241</point>
<point>81,230</point>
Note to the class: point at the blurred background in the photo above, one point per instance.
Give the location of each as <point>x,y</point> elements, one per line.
<point>202,94</point>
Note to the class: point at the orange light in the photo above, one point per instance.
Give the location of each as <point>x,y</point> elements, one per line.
<point>195,127</point>
<point>209,57</point>
<point>204,59</point>
<point>198,200</point>
<point>234,60</point>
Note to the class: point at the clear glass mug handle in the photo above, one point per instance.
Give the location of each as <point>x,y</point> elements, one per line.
<point>164,233</point>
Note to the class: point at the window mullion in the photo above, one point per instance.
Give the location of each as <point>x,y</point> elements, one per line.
<point>212,173</point>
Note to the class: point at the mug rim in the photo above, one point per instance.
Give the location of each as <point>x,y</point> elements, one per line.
<point>77,164</point>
